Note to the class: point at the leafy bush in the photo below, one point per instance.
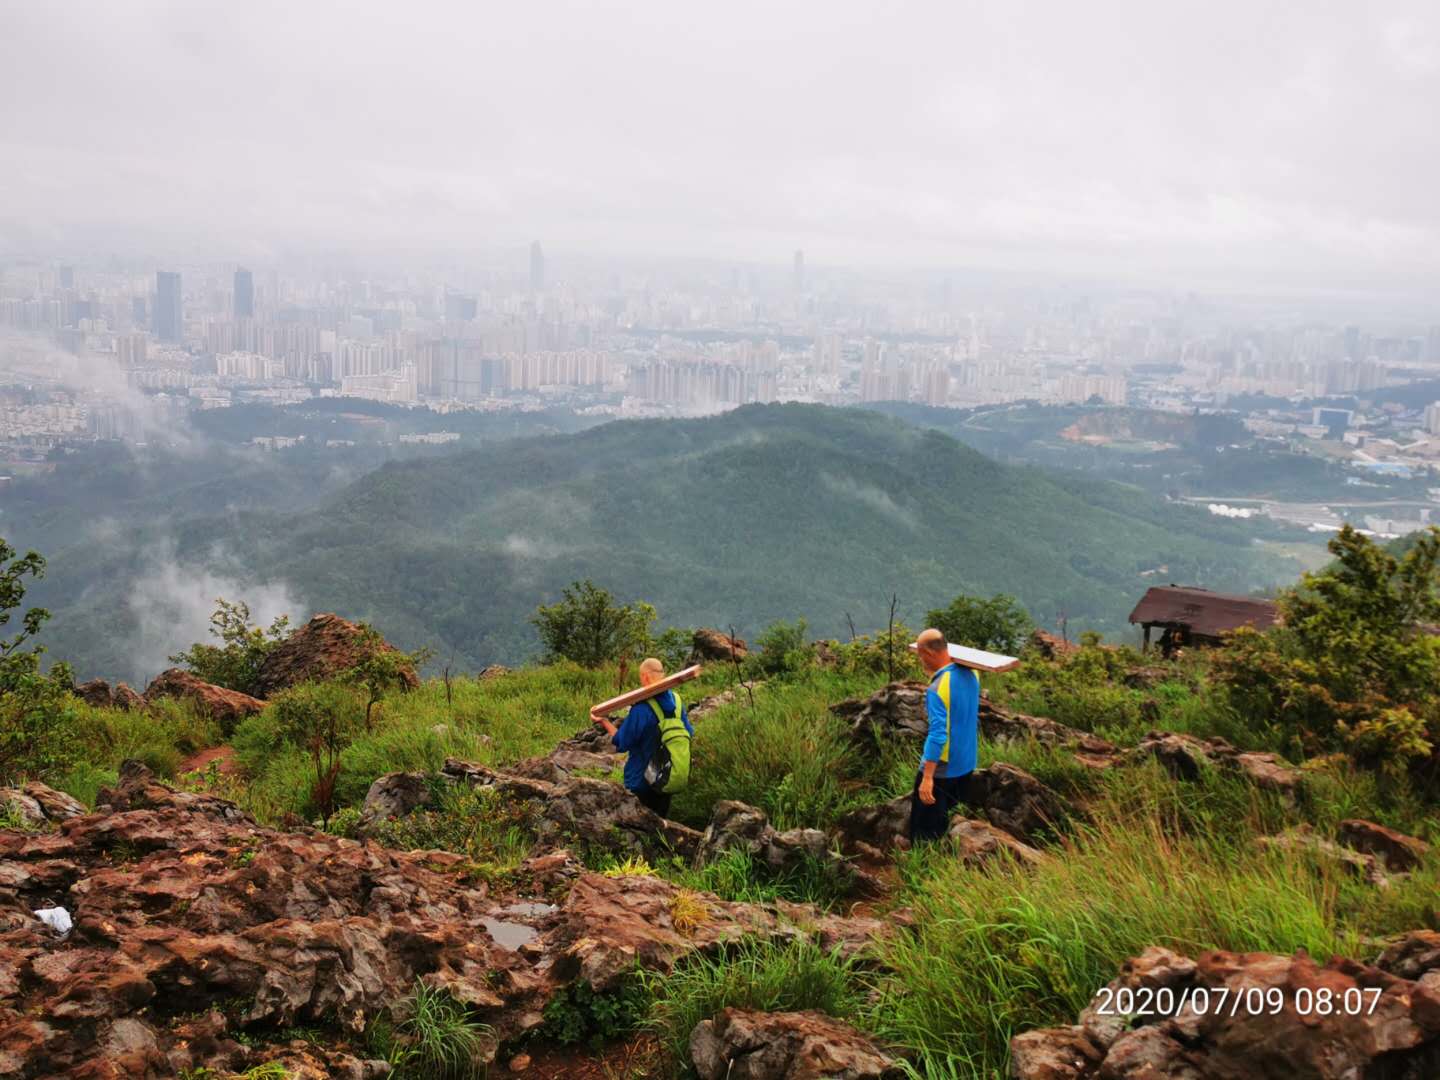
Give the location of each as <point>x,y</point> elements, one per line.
<point>783,647</point>
<point>886,652</point>
<point>579,1013</point>
<point>37,735</point>
<point>999,623</point>
<point>588,627</point>
<point>1352,667</point>
<point>321,719</point>
<point>235,664</point>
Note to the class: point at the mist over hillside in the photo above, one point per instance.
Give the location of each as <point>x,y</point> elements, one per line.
<point>765,513</point>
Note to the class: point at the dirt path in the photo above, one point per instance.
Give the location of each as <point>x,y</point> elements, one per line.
<point>200,762</point>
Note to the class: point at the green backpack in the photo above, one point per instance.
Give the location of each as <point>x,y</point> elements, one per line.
<point>669,769</point>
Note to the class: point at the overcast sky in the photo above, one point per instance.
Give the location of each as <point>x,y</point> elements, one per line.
<point>1295,142</point>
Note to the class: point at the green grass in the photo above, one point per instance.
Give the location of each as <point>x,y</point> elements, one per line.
<point>1001,949</point>
<point>437,1038</point>
<point>750,975</point>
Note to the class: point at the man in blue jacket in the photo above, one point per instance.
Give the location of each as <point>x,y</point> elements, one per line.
<point>952,707</point>
<point>639,736</point>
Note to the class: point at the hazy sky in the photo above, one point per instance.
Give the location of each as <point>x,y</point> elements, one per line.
<point>1295,142</point>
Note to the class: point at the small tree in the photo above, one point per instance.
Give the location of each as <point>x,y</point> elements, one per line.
<point>379,668</point>
<point>784,647</point>
<point>590,628</point>
<point>1353,664</point>
<point>999,623</point>
<point>323,719</point>
<point>36,710</point>
<point>234,665</point>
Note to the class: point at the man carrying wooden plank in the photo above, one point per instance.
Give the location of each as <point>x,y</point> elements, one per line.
<point>952,706</point>
<point>656,735</point>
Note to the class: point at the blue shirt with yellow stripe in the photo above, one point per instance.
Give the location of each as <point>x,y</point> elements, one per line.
<point>952,706</point>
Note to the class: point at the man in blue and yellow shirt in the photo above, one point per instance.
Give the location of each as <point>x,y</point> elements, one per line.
<point>952,706</point>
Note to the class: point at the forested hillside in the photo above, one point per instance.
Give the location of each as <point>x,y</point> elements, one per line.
<point>760,514</point>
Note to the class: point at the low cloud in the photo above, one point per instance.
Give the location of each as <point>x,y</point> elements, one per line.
<point>172,603</point>
<point>871,496</point>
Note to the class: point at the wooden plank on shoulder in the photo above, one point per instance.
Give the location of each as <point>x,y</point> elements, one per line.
<point>979,659</point>
<point>645,693</point>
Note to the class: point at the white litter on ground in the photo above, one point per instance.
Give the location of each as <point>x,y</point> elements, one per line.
<point>57,918</point>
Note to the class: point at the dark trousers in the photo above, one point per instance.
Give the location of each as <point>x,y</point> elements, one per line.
<point>929,823</point>
<point>654,800</point>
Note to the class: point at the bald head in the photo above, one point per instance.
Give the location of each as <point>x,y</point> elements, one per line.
<point>651,671</point>
<point>932,649</point>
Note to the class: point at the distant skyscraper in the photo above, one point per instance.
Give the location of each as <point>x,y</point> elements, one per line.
<point>137,310</point>
<point>169,323</point>
<point>67,277</point>
<point>244,294</point>
<point>799,271</point>
<point>1432,346</point>
<point>537,267</point>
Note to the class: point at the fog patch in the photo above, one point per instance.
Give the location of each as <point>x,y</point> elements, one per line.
<point>172,603</point>
<point>871,496</point>
<point>529,547</point>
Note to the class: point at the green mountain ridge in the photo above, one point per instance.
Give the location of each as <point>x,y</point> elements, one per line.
<point>762,513</point>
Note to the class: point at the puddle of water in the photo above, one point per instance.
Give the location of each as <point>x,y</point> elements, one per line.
<point>509,935</point>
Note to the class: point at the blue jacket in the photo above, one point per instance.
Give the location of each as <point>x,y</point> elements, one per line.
<point>639,736</point>
<point>952,705</point>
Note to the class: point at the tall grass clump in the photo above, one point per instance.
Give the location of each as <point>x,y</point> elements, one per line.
<point>787,755</point>
<point>436,1038</point>
<point>1000,949</point>
<point>752,975</point>
<point>160,736</point>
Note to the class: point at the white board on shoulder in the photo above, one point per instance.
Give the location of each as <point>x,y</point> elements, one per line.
<point>979,659</point>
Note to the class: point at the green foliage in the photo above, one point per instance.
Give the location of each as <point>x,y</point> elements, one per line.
<point>159,736</point>
<point>590,628</point>
<point>437,1038</point>
<point>885,652</point>
<point>377,669</point>
<point>36,709</point>
<point>672,647</point>
<point>783,648</point>
<point>752,975</point>
<point>322,719</point>
<point>1352,667</point>
<point>235,664</point>
<point>999,624</point>
<point>579,1013</point>
<point>494,833</point>
<point>1000,949</point>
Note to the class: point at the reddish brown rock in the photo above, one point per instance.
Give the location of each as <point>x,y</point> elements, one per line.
<point>1002,726</point>
<point>1295,1020</point>
<point>1052,647</point>
<point>226,707</point>
<point>40,805</point>
<point>195,929</point>
<point>1185,756</point>
<point>1399,853</point>
<point>321,649</point>
<point>715,647</point>
<point>102,695</point>
<point>743,1045</point>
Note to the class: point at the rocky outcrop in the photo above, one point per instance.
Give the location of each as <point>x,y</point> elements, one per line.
<point>1017,802</point>
<point>225,707</point>
<point>1186,756</point>
<point>1000,725</point>
<point>1302,839</point>
<point>578,808</point>
<point>197,933</point>
<point>39,805</point>
<point>896,711</point>
<point>321,649</point>
<point>1051,647</point>
<point>493,671</point>
<point>394,795</point>
<point>716,647</point>
<point>734,826</point>
<point>102,695</point>
<point>1395,850</point>
<point>743,1045</point>
<point>1296,1020</point>
<point>873,830</point>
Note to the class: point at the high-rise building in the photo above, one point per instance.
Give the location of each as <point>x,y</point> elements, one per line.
<point>67,277</point>
<point>137,310</point>
<point>1432,346</point>
<point>169,324</point>
<point>244,294</point>
<point>1432,418</point>
<point>799,272</point>
<point>537,267</point>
